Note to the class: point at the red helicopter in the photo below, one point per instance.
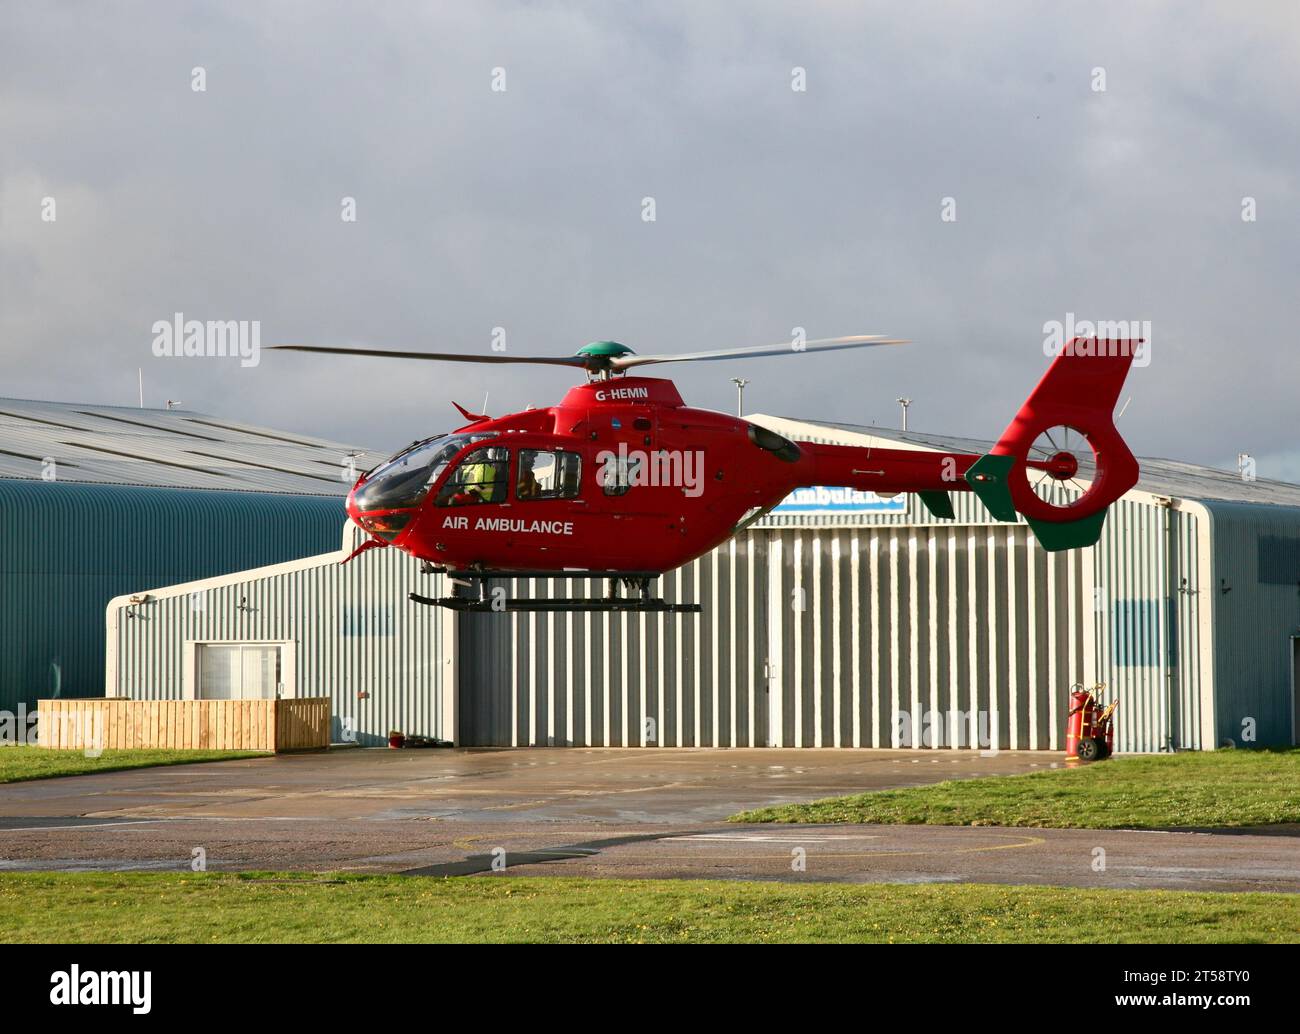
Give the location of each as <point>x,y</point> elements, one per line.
<point>623,481</point>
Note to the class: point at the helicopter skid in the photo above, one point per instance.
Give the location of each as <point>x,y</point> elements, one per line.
<point>473,572</point>
<point>608,604</point>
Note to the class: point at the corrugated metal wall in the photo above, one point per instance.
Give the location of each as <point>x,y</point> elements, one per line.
<point>625,679</point>
<point>1147,623</point>
<point>892,636</point>
<point>873,631</point>
<point>1256,595</point>
<point>66,549</point>
<point>358,639</point>
<point>867,636</point>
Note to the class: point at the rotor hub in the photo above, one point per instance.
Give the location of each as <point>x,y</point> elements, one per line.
<point>1063,465</point>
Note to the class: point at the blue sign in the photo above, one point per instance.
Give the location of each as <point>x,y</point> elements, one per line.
<point>822,500</point>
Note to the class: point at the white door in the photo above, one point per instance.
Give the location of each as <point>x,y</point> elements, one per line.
<point>238,671</point>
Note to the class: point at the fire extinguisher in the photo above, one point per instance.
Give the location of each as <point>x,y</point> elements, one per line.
<point>1080,698</point>
<point>1090,728</point>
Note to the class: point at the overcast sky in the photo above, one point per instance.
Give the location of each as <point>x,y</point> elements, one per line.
<point>775,208</point>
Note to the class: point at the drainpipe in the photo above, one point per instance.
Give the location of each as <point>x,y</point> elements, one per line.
<point>1167,622</point>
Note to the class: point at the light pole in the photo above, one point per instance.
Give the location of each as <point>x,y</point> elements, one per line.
<point>740,383</point>
<point>904,403</point>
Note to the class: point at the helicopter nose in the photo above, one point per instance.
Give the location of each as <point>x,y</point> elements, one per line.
<point>354,511</point>
<point>384,524</point>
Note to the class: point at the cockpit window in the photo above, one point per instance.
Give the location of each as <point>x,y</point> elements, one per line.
<point>549,474</point>
<point>404,481</point>
<point>411,450</point>
<point>482,477</point>
<point>619,473</point>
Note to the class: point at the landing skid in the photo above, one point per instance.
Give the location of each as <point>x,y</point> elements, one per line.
<point>571,605</point>
<point>468,596</point>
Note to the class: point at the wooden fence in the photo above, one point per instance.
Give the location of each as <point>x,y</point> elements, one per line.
<point>120,724</point>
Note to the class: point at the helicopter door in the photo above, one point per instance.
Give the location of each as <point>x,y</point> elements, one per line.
<point>548,495</point>
<point>481,477</point>
<point>627,486</point>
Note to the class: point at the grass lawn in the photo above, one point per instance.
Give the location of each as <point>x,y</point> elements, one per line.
<point>206,907</point>
<point>1201,788</point>
<point>19,763</point>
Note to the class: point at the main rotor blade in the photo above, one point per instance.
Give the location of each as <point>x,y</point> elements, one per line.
<point>621,362</point>
<point>448,357</point>
<point>829,344</point>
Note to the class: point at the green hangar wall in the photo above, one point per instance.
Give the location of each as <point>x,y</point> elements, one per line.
<point>67,549</point>
<point>1256,600</point>
<point>96,501</point>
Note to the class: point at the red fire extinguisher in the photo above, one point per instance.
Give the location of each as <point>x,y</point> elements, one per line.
<point>1089,728</point>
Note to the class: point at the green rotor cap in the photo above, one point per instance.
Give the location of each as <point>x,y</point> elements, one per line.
<point>604,350</point>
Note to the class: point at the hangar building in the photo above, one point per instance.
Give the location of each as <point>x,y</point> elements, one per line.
<point>840,620</point>
<point>99,500</point>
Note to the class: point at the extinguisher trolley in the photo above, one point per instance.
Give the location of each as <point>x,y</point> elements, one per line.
<point>1090,727</point>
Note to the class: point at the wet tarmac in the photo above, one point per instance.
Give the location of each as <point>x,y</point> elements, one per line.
<point>598,812</point>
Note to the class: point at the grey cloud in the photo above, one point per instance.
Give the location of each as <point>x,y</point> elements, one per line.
<point>775,209</point>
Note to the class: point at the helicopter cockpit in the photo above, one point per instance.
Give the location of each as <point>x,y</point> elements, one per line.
<point>479,478</point>
<point>404,481</point>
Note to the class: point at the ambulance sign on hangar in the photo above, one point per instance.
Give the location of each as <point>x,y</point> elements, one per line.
<point>823,500</point>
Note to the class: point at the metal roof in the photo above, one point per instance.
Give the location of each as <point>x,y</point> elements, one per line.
<point>167,448</point>
<point>1171,478</point>
<point>177,448</point>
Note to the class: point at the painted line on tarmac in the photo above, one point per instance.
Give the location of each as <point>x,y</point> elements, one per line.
<point>493,862</point>
<point>764,838</point>
<point>42,823</point>
<point>1024,841</point>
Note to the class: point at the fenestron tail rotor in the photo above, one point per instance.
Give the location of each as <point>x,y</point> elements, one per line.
<point>1054,462</point>
<point>606,357</point>
<point>1060,463</point>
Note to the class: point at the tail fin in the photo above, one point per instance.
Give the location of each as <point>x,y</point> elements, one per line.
<point>1064,438</point>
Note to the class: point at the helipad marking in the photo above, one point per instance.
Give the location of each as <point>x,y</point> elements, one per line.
<point>1020,841</point>
<point>770,838</point>
<point>73,824</point>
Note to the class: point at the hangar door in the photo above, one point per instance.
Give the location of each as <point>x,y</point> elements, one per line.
<point>884,636</point>
<point>619,680</point>
<point>892,635</point>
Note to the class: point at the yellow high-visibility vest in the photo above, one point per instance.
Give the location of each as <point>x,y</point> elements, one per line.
<point>481,476</point>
